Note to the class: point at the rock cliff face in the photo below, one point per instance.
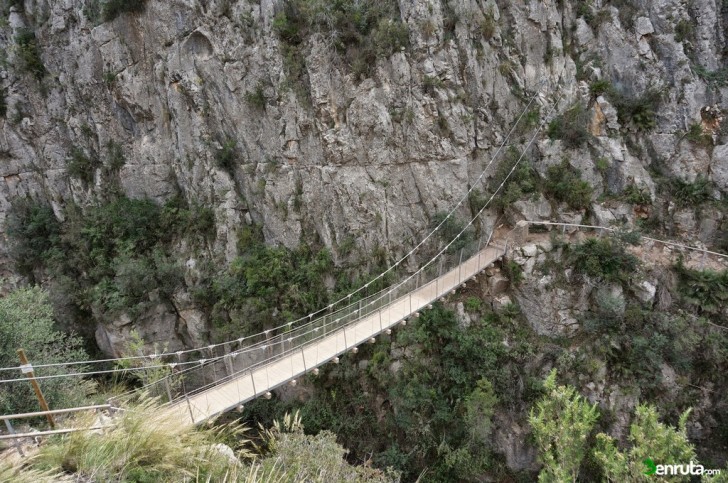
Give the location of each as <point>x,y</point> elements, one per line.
<point>200,97</point>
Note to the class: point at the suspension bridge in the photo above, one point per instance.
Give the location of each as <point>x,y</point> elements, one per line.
<point>206,382</point>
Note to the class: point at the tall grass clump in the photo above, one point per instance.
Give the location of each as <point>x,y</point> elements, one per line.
<point>146,444</point>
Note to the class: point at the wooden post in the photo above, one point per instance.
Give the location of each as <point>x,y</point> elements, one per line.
<point>27,369</point>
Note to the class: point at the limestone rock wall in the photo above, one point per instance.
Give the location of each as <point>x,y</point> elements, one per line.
<point>374,158</point>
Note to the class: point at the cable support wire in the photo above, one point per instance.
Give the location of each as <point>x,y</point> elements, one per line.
<point>332,304</point>
<point>385,292</point>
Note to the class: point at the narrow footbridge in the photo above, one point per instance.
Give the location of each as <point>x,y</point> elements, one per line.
<point>255,370</point>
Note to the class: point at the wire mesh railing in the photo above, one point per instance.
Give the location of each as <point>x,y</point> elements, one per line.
<point>382,309</point>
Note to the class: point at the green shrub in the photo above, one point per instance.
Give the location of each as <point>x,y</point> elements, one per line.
<point>360,32</point>
<point>637,111</point>
<point>628,12</point>
<point>389,37</point>
<point>450,228</point>
<point>564,184</point>
<point>704,290</point>
<point>3,104</point>
<point>115,156</point>
<point>26,320</point>
<point>488,26</point>
<point>603,258</point>
<point>32,229</point>
<point>717,77</point>
<point>256,97</point>
<point>111,257</point>
<point>636,195</point>
<point>28,53</point>
<point>696,135</point>
<point>513,272</point>
<point>683,30</point>
<point>690,194</point>
<point>522,183</point>
<point>599,87</point>
<point>227,156</point>
<point>82,166</point>
<point>113,8</point>
<point>571,127</point>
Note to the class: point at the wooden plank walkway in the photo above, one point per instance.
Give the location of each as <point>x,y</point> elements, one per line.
<point>296,361</point>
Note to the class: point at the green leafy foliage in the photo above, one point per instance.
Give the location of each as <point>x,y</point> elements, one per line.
<point>26,321</point>
<point>571,127</point>
<point>599,87</point>
<point>639,112</point>
<point>270,285</point>
<point>697,136</point>
<point>524,181</point>
<point>564,184</point>
<point>28,53</point>
<point>648,438</point>
<point>513,272</point>
<point>256,97</point>
<point>82,166</point>
<point>636,195</point>
<point>32,228</point>
<point>361,32</point>
<point>111,257</point>
<point>685,193</point>
<point>683,30</point>
<point>561,421</point>
<point>604,258</point>
<point>451,227</point>
<point>439,403</point>
<point>227,156</point>
<point>704,290</point>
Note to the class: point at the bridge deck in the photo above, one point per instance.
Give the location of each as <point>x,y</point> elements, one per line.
<point>299,360</point>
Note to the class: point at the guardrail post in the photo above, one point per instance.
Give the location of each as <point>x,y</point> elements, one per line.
<point>169,390</point>
<point>303,358</point>
<point>460,267</point>
<point>16,443</point>
<point>252,379</point>
<point>189,408</point>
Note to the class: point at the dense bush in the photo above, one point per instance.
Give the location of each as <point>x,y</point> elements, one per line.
<point>696,135</point>
<point>603,258</point>
<point>227,156</point>
<point>26,321</point>
<point>571,127</point>
<point>438,406</point>
<point>28,53</point>
<point>82,166</point>
<point>522,183</point>
<point>704,290</point>
<point>256,97</point>
<point>564,184</point>
<point>360,31</point>
<point>32,229</point>
<point>111,257</point>
<point>639,111</point>
<point>690,194</point>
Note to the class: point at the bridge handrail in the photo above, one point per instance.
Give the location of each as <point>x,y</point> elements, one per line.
<point>613,229</point>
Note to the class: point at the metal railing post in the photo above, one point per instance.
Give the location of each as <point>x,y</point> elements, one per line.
<point>460,267</point>
<point>16,443</point>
